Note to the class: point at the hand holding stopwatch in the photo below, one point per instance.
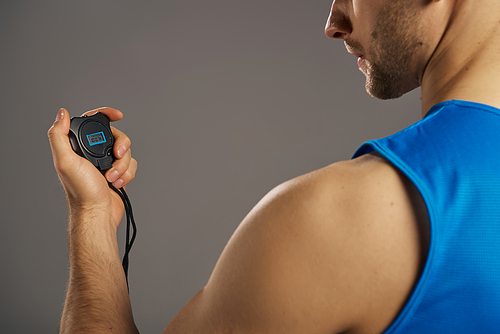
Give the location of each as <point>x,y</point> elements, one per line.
<point>92,139</point>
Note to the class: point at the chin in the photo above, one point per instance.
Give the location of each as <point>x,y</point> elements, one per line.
<point>385,89</point>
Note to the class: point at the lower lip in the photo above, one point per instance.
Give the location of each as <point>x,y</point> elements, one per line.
<point>361,61</point>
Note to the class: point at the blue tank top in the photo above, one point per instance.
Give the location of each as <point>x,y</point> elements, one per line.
<point>451,156</point>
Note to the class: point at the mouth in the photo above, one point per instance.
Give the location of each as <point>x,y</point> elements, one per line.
<point>353,49</point>
<point>361,58</point>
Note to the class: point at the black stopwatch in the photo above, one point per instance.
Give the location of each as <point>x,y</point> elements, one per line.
<point>91,138</point>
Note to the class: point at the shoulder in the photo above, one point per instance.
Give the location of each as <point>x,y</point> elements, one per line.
<point>330,251</point>
<point>362,191</point>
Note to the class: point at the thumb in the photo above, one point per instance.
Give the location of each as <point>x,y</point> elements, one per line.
<point>58,137</point>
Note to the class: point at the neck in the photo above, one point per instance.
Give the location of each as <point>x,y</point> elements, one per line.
<point>466,62</point>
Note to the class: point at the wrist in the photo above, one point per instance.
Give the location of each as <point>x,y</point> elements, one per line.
<point>92,217</point>
<point>108,211</point>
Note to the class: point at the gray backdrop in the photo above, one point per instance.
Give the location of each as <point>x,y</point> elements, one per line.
<point>223,100</point>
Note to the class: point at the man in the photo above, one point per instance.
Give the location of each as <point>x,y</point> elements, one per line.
<point>404,238</point>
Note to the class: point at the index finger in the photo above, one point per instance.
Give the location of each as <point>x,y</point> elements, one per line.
<point>122,143</point>
<point>113,114</point>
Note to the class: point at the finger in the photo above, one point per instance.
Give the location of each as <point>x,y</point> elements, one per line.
<point>123,154</point>
<point>128,176</point>
<point>122,143</point>
<point>120,166</point>
<point>113,114</point>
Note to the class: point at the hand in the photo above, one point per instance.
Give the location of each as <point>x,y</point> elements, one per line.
<point>86,187</point>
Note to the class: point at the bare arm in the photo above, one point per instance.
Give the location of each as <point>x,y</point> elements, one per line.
<point>97,299</point>
<point>335,251</point>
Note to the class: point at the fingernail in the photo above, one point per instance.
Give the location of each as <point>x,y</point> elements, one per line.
<point>121,151</point>
<point>118,183</point>
<point>60,115</point>
<point>113,176</point>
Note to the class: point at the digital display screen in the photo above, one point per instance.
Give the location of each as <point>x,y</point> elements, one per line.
<point>96,138</point>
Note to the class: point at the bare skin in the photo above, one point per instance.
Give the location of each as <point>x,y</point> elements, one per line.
<point>338,250</point>
<point>466,67</point>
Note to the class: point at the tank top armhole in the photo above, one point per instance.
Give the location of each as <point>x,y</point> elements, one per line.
<point>418,292</point>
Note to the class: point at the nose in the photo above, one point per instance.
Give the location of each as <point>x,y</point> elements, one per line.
<point>338,25</point>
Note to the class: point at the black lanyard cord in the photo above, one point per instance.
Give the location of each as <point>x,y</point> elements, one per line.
<point>129,241</point>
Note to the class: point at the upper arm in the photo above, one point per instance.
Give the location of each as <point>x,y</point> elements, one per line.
<point>314,256</point>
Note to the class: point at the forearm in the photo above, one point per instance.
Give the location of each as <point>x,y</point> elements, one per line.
<point>97,299</point>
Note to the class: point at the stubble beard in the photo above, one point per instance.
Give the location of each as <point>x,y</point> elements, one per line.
<point>391,69</point>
